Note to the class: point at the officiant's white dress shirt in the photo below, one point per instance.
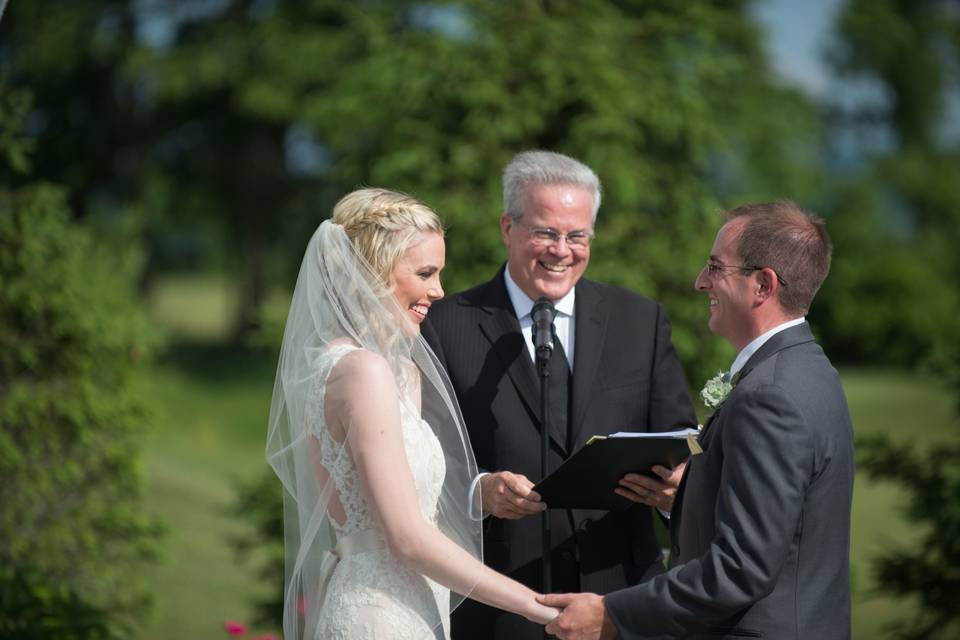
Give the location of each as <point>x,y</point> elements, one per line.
<point>564,322</point>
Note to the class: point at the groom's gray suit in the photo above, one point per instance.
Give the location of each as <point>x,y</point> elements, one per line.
<point>762,519</point>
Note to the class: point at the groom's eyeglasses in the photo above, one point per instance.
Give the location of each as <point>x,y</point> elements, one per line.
<point>716,268</point>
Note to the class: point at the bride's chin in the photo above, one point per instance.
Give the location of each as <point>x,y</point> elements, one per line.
<point>409,327</point>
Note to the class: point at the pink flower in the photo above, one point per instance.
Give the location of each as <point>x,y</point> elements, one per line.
<point>234,628</point>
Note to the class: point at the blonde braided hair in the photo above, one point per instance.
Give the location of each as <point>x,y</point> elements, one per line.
<point>382,225</point>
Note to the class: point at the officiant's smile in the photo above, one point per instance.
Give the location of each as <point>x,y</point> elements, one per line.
<point>548,246</point>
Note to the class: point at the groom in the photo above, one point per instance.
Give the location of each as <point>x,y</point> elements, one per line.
<point>761,523</point>
<point>622,374</point>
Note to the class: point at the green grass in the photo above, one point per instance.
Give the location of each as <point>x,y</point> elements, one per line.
<point>210,414</point>
<point>912,409</point>
<point>210,410</point>
<point>198,307</point>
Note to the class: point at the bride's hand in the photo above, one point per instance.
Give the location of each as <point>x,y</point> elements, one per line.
<point>541,614</point>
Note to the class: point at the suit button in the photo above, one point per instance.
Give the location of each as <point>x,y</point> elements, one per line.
<point>566,555</point>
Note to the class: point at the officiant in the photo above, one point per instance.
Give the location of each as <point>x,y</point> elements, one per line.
<point>613,366</point>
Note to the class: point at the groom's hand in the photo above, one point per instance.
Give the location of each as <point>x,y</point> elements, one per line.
<point>655,493</point>
<point>509,495</point>
<point>583,617</point>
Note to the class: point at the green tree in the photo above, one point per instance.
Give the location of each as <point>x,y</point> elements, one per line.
<point>670,102</point>
<point>96,129</point>
<point>74,536</point>
<point>896,210</point>
<point>86,115</point>
<point>15,147</point>
<point>896,301</point>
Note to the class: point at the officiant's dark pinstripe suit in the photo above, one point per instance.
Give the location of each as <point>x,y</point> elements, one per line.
<point>626,377</point>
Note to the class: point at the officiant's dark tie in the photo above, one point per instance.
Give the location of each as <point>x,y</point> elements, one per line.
<point>560,378</point>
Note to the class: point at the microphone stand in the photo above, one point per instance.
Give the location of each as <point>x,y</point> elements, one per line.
<point>543,335</point>
<point>543,369</point>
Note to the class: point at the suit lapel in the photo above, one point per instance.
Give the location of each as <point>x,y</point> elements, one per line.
<point>798,334</point>
<point>501,327</point>
<point>676,511</point>
<point>703,438</point>
<point>590,332</point>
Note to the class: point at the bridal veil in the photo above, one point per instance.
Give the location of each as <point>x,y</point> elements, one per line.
<point>338,299</point>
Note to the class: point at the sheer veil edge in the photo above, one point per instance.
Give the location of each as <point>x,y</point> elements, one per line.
<point>338,300</point>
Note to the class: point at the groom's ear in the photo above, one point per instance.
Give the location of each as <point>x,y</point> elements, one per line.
<point>767,283</point>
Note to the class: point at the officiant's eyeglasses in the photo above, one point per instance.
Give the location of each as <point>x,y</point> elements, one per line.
<point>714,268</point>
<point>547,237</point>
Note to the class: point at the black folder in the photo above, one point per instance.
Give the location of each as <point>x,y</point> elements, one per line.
<point>586,480</point>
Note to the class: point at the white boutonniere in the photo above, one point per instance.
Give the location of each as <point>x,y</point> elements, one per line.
<point>716,390</point>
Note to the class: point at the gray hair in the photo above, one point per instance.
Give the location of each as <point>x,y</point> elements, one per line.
<point>549,168</point>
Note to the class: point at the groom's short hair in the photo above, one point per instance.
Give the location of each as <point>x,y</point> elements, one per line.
<point>790,240</point>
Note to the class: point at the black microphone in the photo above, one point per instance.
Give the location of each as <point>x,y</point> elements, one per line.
<point>542,315</point>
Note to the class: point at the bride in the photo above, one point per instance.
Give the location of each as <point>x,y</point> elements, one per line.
<point>366,436</point>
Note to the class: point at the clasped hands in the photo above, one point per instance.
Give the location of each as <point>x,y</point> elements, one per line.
<point>582,615</point>
<point>510,495</point>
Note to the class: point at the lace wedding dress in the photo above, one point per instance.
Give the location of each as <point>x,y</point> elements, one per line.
<point>371,595</point>
<point>340,579</point>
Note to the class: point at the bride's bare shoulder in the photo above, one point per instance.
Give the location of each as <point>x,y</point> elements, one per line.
<point>362,367</point>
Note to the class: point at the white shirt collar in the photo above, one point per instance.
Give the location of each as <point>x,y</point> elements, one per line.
<point>523,305</point>
<point>758,342</point>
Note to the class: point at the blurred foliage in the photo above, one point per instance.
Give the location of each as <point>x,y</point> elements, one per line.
<point>223,132</point>
<point>83,114</point>
<point>894,213</point>
<point>884,301</point>
<point>73,533</point>
<point>930,569</point>
<point>31,608</point>
<point>15,147</point>
<point>901,219</point>
<point>245,121</point>
<point>260,502</point>
<point>217,134</point>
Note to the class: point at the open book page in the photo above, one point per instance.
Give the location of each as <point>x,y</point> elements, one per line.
<point>679,433</point>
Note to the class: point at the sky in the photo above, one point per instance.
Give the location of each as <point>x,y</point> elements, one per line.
<point>798,31</point>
